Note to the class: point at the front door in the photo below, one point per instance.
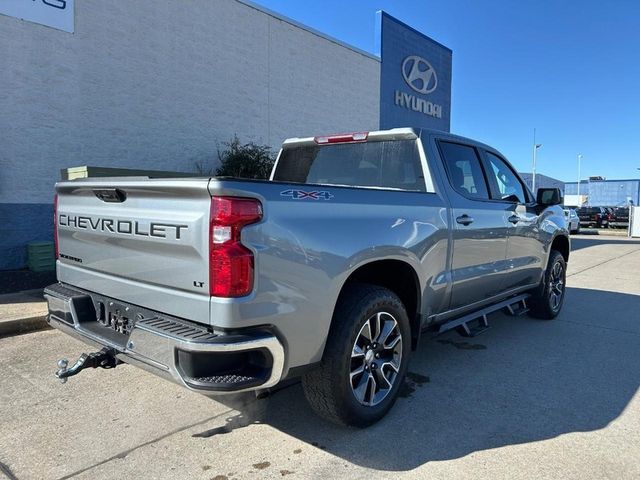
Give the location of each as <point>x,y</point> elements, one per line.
<point>480,229</point>
<point>525,249</point>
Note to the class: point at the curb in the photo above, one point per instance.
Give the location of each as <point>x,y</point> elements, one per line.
<point>10,328</point>
<point>603,233</point>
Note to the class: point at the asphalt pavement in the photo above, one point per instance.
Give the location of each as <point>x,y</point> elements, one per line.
<point>527,399</point>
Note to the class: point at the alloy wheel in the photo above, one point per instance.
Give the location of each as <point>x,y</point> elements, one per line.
<point>375,359</point>
<point>556,286</point>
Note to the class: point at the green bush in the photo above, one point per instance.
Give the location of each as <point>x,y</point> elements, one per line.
<point>245,160</point>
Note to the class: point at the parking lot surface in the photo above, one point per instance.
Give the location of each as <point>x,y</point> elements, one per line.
<point>527,399</point>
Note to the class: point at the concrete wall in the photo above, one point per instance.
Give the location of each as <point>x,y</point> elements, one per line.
<point>159,85</point>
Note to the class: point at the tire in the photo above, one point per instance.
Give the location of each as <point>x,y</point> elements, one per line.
<point>341,388</point>
<point>547,299</point>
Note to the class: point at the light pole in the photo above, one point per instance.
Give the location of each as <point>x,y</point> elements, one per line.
<point>579,159</point>
<point>536,146</point>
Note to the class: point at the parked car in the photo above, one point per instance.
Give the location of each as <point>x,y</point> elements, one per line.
<point>330,270</point>
<point>593,217</point>
<point>573,221</point>
<point>619,218</point>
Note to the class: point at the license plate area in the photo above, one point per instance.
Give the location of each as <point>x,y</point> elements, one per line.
<point>116,316</point>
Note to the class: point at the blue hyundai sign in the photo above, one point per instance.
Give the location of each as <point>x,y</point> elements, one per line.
<point>415,77</point>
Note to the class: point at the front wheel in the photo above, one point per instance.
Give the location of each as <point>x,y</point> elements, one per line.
<point>547,299</point>
<point>365,358</point>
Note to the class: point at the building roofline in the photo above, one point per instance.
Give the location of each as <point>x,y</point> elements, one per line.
<point>604,181</point>
<point>382,13</point>
<point>302,26</point>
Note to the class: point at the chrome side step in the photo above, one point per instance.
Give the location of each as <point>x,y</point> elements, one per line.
<point>475,323</point>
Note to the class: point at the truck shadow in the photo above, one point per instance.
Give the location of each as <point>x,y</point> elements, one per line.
<point>524,380</point>
<point>29,296</point>
<point>578,243</point>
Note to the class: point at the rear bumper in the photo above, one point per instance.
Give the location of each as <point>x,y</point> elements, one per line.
<point>183,352</point>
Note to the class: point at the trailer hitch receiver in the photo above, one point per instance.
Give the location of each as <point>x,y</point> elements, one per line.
<point>105,358</point>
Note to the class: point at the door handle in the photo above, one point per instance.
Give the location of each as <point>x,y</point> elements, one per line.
<point>514,219</point>
<point>464,219</point>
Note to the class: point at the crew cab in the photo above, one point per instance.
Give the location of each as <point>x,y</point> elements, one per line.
<point>329,271</point>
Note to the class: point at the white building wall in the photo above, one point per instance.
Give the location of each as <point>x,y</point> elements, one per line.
<point>160,84</point>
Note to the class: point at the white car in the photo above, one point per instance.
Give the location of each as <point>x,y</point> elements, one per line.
<point>573,222</point>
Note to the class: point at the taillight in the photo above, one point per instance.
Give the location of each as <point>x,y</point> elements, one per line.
<point>342,138</point>
<point>230,262</point>
<point>55,224</point>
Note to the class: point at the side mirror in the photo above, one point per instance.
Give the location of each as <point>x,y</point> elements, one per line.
<point>549,196</point>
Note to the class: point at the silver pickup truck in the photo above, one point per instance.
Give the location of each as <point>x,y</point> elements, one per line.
<point>329,271</point>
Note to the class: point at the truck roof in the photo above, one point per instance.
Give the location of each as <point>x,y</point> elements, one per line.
<point>403,133</point>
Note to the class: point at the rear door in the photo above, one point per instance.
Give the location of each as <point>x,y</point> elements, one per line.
<point>480,228</point>
<point>525,249</point>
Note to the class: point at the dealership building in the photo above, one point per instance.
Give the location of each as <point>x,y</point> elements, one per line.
<point>162,85</point>
<point>606,193</point>
<point>542,181</point>
<point>597,192</point>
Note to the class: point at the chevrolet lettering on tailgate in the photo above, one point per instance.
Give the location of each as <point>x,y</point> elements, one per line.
<point>127,227</point>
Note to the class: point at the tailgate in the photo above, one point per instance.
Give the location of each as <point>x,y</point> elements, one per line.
<point>622,216</point>
<point>140,240</point>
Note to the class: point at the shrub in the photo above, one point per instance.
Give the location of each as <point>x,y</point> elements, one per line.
<point>245,161</point>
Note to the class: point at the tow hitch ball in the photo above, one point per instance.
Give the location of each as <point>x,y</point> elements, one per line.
<point>105,358</point>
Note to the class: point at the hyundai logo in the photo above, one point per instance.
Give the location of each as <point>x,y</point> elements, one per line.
<point>419,74</point>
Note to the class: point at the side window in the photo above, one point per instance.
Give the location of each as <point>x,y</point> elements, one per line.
<point>464,169</point>
<point>507,185</point>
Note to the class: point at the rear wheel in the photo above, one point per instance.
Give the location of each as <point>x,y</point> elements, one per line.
<point>365,359</point>
<point>547,299</point>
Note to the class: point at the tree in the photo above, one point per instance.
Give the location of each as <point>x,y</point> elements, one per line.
<point>245,161</point>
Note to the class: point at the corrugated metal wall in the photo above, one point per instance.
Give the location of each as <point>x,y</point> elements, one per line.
<point>607,193</point>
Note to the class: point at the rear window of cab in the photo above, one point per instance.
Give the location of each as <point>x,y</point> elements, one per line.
<point>388,164</point>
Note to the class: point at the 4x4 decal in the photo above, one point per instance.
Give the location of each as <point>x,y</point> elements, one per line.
<point>302,194</point>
